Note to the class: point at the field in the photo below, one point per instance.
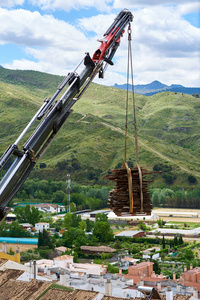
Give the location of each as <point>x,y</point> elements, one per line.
<point>21,247</point>
<point>179,219</point>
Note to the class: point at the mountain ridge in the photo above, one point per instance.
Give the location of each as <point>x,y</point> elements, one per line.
<point>91,142</point>
<point>156,87</point>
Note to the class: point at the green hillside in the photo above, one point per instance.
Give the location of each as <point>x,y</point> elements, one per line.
<point>92,140</point>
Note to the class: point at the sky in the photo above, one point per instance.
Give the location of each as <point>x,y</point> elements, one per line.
<point>52,36</point>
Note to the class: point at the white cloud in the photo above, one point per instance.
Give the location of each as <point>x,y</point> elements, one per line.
<point>98,24</point>
<point>54,45</point>
<point>11,3</point>
<point>165,46</point>
<point>27,28</point>
<point>102,5</point>
<point>120,4</point>
<point>186,8</point>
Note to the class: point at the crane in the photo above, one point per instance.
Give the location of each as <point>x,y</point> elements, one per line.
<point>55,110</point>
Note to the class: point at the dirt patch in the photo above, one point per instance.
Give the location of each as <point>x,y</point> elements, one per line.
<point>21,247</point>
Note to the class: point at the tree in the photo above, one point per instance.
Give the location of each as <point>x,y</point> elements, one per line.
<point>189,254</point>
<point>156,267</point>
<point>163,242</point>
<point>180,241</point>
<point>142,226</point>
<point>160,223</point>
<point>82,225</point>
<point>192,179</point>
<point>74,237</point>
<point>44,240</point>
<point>117,244</point>
<point>33,215</point>
<point>195,95</point>
<point>76,219</point>
<point>27,214</point>
<point>103,232</point>
<point>89,225</point>
<point>68,220</point>
<point>101,218</point>
<point>58,196</point>
<point>175,241</point>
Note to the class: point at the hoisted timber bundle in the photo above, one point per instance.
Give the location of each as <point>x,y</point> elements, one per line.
<point>130,195</point>
<point>119,198</point>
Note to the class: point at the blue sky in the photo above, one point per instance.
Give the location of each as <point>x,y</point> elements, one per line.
<point>53,35</point>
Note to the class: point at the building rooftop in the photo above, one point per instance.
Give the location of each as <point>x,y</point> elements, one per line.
<point>111,298</point>
<point>63,257</point>
<point>53,294</point>
<point>61,248</point>
<point>22,290</point>
<point>194,231</point>
<point>98,248</point>
<point>128,233</point>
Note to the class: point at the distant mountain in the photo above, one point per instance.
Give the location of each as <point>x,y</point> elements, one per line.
<point>157,87</point>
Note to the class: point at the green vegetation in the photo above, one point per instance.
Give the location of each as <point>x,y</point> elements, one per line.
<point>92,140</point>
<point>27,214</point>
<point>13,230</point>
<point>182,198</point>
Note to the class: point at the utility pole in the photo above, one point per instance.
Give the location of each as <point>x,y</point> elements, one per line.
<point>68,192</point>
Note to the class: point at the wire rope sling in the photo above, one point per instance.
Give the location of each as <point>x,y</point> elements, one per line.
<point>130,195</point>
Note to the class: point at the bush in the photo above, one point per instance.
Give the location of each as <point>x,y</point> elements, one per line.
<point>112,269</point>
<point>192,179</point>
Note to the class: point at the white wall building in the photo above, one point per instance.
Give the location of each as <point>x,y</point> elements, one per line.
<point>39,227</point>
<point>147,254</point>
<point>49,208</point>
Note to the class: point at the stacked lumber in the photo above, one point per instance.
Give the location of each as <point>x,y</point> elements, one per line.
<point>119,197</point>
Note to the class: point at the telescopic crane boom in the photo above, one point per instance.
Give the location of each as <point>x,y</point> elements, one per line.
<point>56,110</point>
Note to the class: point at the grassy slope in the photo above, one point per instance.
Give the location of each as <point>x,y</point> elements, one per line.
<point>167,126</point>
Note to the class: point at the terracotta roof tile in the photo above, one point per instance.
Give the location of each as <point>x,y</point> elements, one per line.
<point>3,261</point>
<point>63,257</point>
<point>10,274</point>
<point>98,248</point>
<point>112,298</point>
<point>33,290</point>
<point>83,295</point>
<point>61,248</point>
<point>11,289</point>
<point>53,293</point>
<point>20,290</point>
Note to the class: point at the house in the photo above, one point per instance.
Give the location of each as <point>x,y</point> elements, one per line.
<point>191,277</point>
<point>27,226</point>
<point>143,268</point>
<point>49,207</point>
<point>97,250</point>
<point>59,250</point>
<point>130,233</point>
<point>143,273</point>
<point>65,263</point>
<point>12,287</point>
<point>151,253</point>
<point>127,261</point>
<point>10,218</point>
<point>39,227</point>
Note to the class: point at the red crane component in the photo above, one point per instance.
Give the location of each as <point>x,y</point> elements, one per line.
<point>105,44</point>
